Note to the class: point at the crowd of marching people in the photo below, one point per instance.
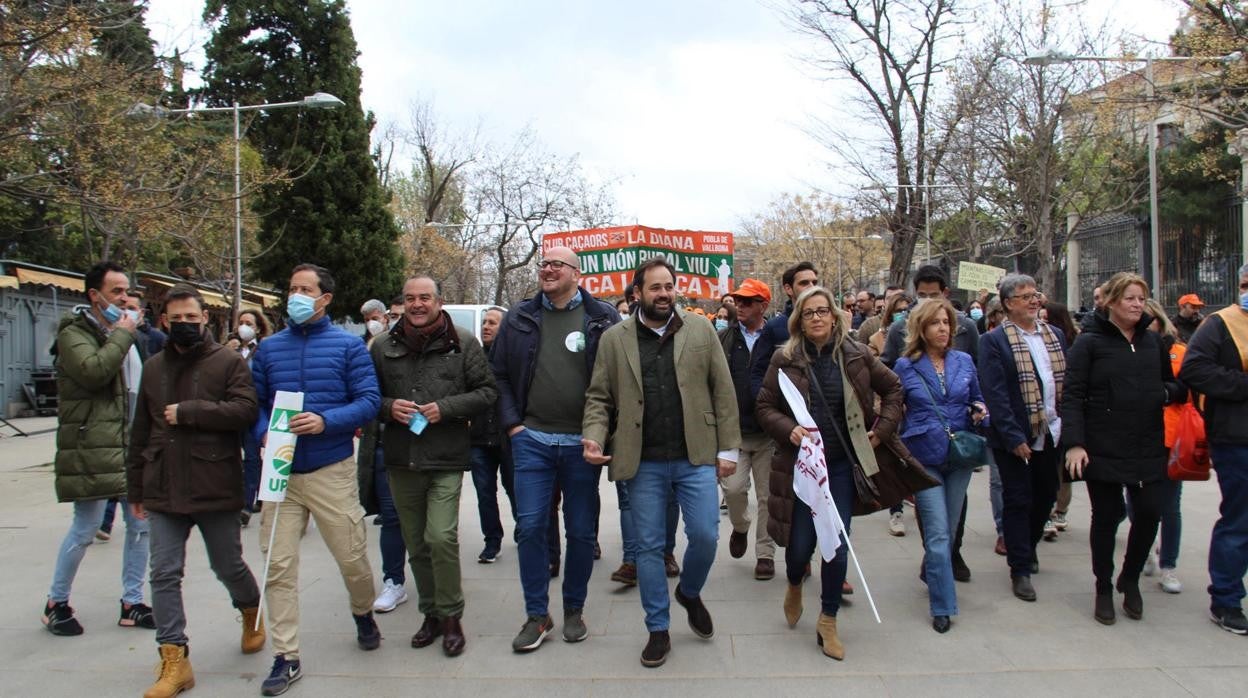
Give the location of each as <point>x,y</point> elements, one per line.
<point>825,410</point>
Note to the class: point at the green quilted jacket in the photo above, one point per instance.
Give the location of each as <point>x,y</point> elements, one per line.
<point>91,432</point>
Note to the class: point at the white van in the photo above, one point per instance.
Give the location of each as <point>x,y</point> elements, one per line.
<point>468,316</point>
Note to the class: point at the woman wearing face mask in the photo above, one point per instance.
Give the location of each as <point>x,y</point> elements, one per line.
<point>251,326</point>
<point>725,317</point>
<point>895,309</point>
<point>1118,379</point>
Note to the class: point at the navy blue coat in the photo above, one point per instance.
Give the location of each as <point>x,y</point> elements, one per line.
<point>335,373</point>
<point>514,351</point>
<point>998,380</point>
<point>921,429</point>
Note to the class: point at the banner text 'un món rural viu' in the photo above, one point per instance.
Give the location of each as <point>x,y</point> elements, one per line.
<point>609,256</point>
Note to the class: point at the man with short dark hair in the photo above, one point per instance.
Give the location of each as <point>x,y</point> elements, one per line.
<point>1216,366</point>
<point>666,433</point>
<point>97,367</point>
<point>542,358</point>
<point>332,369</point>
<point>794,281</point>
<point>185,471</point>
<point>490,457</point>
<point>434,378</point>
<point>864,307</point>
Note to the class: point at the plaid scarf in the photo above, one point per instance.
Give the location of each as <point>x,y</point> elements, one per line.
<point>1028,380</point>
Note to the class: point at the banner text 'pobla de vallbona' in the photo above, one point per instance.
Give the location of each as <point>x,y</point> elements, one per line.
<point>609,256</point>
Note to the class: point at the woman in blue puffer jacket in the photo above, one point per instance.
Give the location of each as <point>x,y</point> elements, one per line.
<point>936,377</point>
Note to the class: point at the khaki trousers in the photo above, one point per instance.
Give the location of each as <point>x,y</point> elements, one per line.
<point>755,458</point>
<point>331,496</point>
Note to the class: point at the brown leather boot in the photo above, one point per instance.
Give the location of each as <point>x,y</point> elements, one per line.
<point>793,604</point>
<point>253,635</point>
<point>175,673</point>
<point>452,637</point>
<point>831,644</point>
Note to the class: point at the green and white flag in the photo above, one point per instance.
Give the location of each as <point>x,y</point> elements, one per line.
<point>279,449</point>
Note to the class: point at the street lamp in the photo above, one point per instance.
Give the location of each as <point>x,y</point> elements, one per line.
<point>317,100</point>
<point>927,209</point>
<point>1052,56</point>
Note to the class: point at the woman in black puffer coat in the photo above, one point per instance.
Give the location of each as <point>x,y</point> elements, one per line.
<point>1118,379</point>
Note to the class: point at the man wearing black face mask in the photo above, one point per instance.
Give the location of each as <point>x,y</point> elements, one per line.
<point>185,470</point>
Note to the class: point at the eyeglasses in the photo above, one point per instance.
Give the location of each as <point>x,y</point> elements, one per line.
<point>816,312</point>
<point>553,264</point>
<point>1027,297</point>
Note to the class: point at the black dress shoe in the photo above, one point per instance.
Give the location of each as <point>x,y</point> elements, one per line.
<point>961,572</point>
<point>1103,609</point>
<point>941,624</point>
<point>657,649</point>
<point>699,618</point>
<point>1023,588</point>
<point>429,631</point>
<point>1132,602</point>
<point>452,637</point>
<point>737,544</point>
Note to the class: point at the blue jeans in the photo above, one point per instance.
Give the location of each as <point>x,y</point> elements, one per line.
<point>251,470</point>
<point>803,541</point>
<point>87,517</point>
<point>487,463</point>
<point>393,550</point>
<point>541,461</point>
<point>1172,525</point>
<point>110,514</point>
<point>1228,547</point>
<point>939,508</point>
<point>629,532</point>
<point>649,493</point>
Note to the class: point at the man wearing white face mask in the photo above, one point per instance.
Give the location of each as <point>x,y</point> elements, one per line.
<point>335,374</point>
<point>376,322</point>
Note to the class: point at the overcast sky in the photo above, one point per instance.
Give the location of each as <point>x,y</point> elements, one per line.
<point>698,107</point>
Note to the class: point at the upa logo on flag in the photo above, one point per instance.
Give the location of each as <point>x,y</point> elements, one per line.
<point>283,458</point>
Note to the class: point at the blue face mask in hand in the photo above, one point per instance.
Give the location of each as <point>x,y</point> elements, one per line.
<point>300,308</point>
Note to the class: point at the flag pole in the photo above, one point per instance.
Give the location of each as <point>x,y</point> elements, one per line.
<point>861,577</point>
<point>268,557</point>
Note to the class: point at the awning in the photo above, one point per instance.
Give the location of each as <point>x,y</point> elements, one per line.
<point>211,298</point>
<point>9,282</point>
<point>47,278</point>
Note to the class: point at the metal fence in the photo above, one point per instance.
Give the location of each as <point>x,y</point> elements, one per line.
<point>1203,260</point>
<point>1108,245</point>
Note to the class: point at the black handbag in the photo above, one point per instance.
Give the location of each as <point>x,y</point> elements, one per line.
<point>966,448</point>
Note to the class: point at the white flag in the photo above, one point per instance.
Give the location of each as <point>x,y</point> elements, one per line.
<point>278,455</point>
<point>810,475</point>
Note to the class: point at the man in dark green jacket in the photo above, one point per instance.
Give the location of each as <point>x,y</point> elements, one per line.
<point>97,366</point>
<point>433,377</point>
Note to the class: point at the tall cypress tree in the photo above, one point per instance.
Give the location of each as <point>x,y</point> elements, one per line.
<point>334,211</point>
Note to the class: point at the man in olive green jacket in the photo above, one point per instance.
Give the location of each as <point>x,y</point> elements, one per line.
<point>667,430</point>
<point>97,371</point>
<point>433,377</point>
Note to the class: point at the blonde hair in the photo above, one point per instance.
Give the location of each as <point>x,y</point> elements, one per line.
<point>926,313</point>
<point>1164,326</point>
<point>1113,290</point>
<point>796,346</point>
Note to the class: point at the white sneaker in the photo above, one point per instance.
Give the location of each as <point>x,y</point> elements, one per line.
<point>1150,565</point>
<point>390,598</point>
<point>1170,581</point>
<point>1050,530</point>
<point>896,524</point>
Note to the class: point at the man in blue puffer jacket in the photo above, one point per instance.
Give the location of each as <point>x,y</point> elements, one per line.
<point>333,370</point>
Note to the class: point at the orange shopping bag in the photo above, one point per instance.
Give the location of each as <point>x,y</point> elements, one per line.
<point>1189,456</point>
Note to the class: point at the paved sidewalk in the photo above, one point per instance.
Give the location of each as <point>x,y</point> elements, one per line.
<point>998,646</point>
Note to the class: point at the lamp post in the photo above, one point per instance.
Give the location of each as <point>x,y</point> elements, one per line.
<point>1053,56</point>
<point>318,100</point>
<point>840,258</point>
<point>927,209</point>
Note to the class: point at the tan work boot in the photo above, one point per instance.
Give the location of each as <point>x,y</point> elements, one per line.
<point>175,673</point>
<point>253,636</point>
<point>831,644</point>
<point>793,604</point>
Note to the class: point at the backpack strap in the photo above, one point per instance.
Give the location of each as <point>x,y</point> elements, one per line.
<point>1236,321</point>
